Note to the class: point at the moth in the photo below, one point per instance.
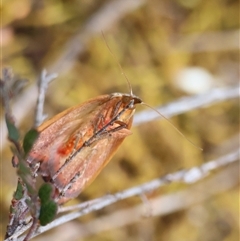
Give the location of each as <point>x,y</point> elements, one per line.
<point>75,145</point>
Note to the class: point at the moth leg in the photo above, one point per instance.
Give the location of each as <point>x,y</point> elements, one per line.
<point>116,109</point>
<point>102,133</point>
<point>100,122</point>
<point>101,119</point>
<point>121,126</point>
<point>68,186</point>
<point>115,119</point>
<point>73,180</point>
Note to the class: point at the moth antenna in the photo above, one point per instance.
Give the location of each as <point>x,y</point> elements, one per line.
<point>119,65</point>
<point>179,132</point>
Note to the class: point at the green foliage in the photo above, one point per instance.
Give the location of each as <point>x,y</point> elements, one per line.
<point>47,212</point>
<point>48,206</point>
<point>23,170</point>
<point>24,173</point>
<point>13,133</point>
<point>29,140</point>
<point>152,43</point>
<point>19,192</point>
<point>45,192</point>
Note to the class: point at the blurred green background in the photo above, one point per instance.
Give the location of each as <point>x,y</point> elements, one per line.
<point>155,42</point>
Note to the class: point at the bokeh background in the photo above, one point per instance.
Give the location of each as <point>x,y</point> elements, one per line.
<point>168,49</point>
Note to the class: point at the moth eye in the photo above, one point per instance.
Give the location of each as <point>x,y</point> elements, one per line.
<point>137,100</point>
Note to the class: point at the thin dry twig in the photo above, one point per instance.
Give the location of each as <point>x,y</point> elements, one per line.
<point>186,176</point>
<point>7,76</point>
<point>195,173</point>
<point>223,181</point>
<point>25,197</point>
<point>43,83</point>
<point>211,41</point>
<point>101,21</point>
<point>189,103</point>
<point>179,106</point>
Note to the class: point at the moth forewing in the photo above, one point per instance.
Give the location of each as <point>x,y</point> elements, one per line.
<point>87,164</point>
<point>75,145</point>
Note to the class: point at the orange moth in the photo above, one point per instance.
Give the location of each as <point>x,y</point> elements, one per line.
<point>75,145</point>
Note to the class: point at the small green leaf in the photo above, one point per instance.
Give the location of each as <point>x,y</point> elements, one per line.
<point>19,192</point>
<point>13,133</point>
<point>45,192</point>
<point>48,207</point>
<point>23,169</point>
<point>29,140</point>
<point>47,212</point>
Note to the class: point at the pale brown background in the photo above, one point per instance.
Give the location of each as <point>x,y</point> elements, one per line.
<point>152,42</point>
